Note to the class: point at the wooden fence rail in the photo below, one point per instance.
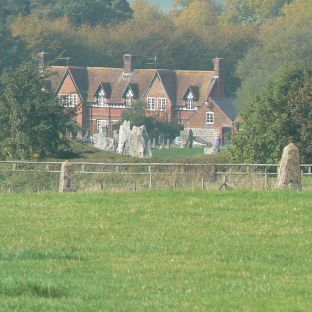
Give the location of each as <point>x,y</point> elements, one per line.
<point>154,175</point>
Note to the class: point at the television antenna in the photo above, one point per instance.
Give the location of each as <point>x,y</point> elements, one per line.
<point>66,59</point>
<point>152,61</point>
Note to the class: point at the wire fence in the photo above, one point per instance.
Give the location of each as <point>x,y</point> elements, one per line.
<point>19,176</point>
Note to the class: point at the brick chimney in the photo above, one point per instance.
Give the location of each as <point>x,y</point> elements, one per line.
<point>128,64</point>
<point>43,58</point>
<point>219,76</point>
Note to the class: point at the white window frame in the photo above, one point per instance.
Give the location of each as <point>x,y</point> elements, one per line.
<point>210,118</point>
<point>151,103</point>
<point>129,98</point>
<point>162,104</point>
<point>101,123</point>
<point>190,102</point>
<point>72,100</point>
<point>101,99</point>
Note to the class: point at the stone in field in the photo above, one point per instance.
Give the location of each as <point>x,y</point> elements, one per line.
<point>289,177</point>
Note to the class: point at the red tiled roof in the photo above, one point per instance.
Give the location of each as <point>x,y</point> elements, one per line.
<point>175,82</point>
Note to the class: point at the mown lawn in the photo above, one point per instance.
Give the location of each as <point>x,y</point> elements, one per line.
<point>156,251</point>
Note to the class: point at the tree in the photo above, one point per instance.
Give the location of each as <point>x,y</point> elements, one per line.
<point>92,12</point>
<point>282,113</point>
<point>283,40</point>
<point>243,12</point>
<point>12,50</point>
<point>31,119</point>
<point>154,127</point>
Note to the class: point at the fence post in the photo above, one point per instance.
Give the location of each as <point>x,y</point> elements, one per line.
<point>150,177</point>
<point>203,183</point>
<point>266,179</point>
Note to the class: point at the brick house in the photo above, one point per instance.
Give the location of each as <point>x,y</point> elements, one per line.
<point>196,99</point>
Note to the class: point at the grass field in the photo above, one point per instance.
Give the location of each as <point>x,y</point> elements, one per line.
<point>87,153</point>
<point>156,251</point>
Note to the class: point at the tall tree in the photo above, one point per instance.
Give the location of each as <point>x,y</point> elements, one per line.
<point>282,41</point>
<point>31,119</point>
<point>282,113</point>
<point>92,12</point>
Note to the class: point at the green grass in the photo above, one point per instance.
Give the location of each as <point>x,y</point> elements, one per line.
<point>87,153</point>
<point>156,251</point>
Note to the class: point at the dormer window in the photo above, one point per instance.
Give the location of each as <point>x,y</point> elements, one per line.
<point>189,101</point>
<point>101,98</point>
<point>129,97</point>
<point>191,98</point>
<point>102,94</point>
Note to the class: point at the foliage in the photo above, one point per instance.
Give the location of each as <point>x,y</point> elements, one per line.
<point>281,114</point>
<point>284,40</point>
<point>33,122</point>
<point>156,251</point>
<point>79,12</point>
<point>243,12</point>
<point>154,126</point>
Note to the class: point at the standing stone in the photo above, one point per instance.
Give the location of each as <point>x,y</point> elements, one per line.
<point>289,177</point>
<point>66,178</point>
<point>139,143</point>
<point>154,143</point>
<point>167,146</point>
<point>187,138</point>
<point>124,136</point>
<point>102,141</point>
<point>161,140</point>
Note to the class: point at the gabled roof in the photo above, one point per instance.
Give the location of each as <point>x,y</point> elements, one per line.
<point>227,105</point>
<point>169,82</point>
<point>134,88</point>
<point>175,82</point>
<point>194,91</point>
<point>188,79</point>
<point>106,87</point>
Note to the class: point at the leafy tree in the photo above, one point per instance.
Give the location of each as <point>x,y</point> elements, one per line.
<point>281,114</point>
<point>242,12</point>
<point>283,40</point>
<point>31,119</point>
<point>92,12</point>
<point>137,117</point>
<point>12,50</point>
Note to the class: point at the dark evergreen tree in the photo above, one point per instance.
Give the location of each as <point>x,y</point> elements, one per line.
<point>32,121</point>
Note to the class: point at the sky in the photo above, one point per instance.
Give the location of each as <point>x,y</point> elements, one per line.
<point>163,4</point>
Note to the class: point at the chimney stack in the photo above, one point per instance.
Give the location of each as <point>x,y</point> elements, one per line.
<point>128,64</point>
<point>43,58</point>
<point>219,76</point>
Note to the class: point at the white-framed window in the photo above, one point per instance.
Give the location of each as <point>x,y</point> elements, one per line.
<point>68,100</point>
<point>161,104</point>
<point>100,123</point>
<point>209,118</point>
<point>190,102</point>
<point>129,98</point>
<point>151,104</point>
<point>101,99</point>
<point>72,100</point>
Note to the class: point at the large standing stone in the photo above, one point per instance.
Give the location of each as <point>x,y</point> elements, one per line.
<point>139,143</point>
<point>187,138</point>
<point>134,142</point>
<point>102,141</point>
<point>289,177</point>
<point>124,137</point>
<point>66,178</point>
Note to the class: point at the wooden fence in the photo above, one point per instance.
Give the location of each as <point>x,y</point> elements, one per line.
<point>44,176</point>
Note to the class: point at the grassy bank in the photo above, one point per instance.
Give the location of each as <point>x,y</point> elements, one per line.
<point>156,251</point>
<point>87,153</point>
